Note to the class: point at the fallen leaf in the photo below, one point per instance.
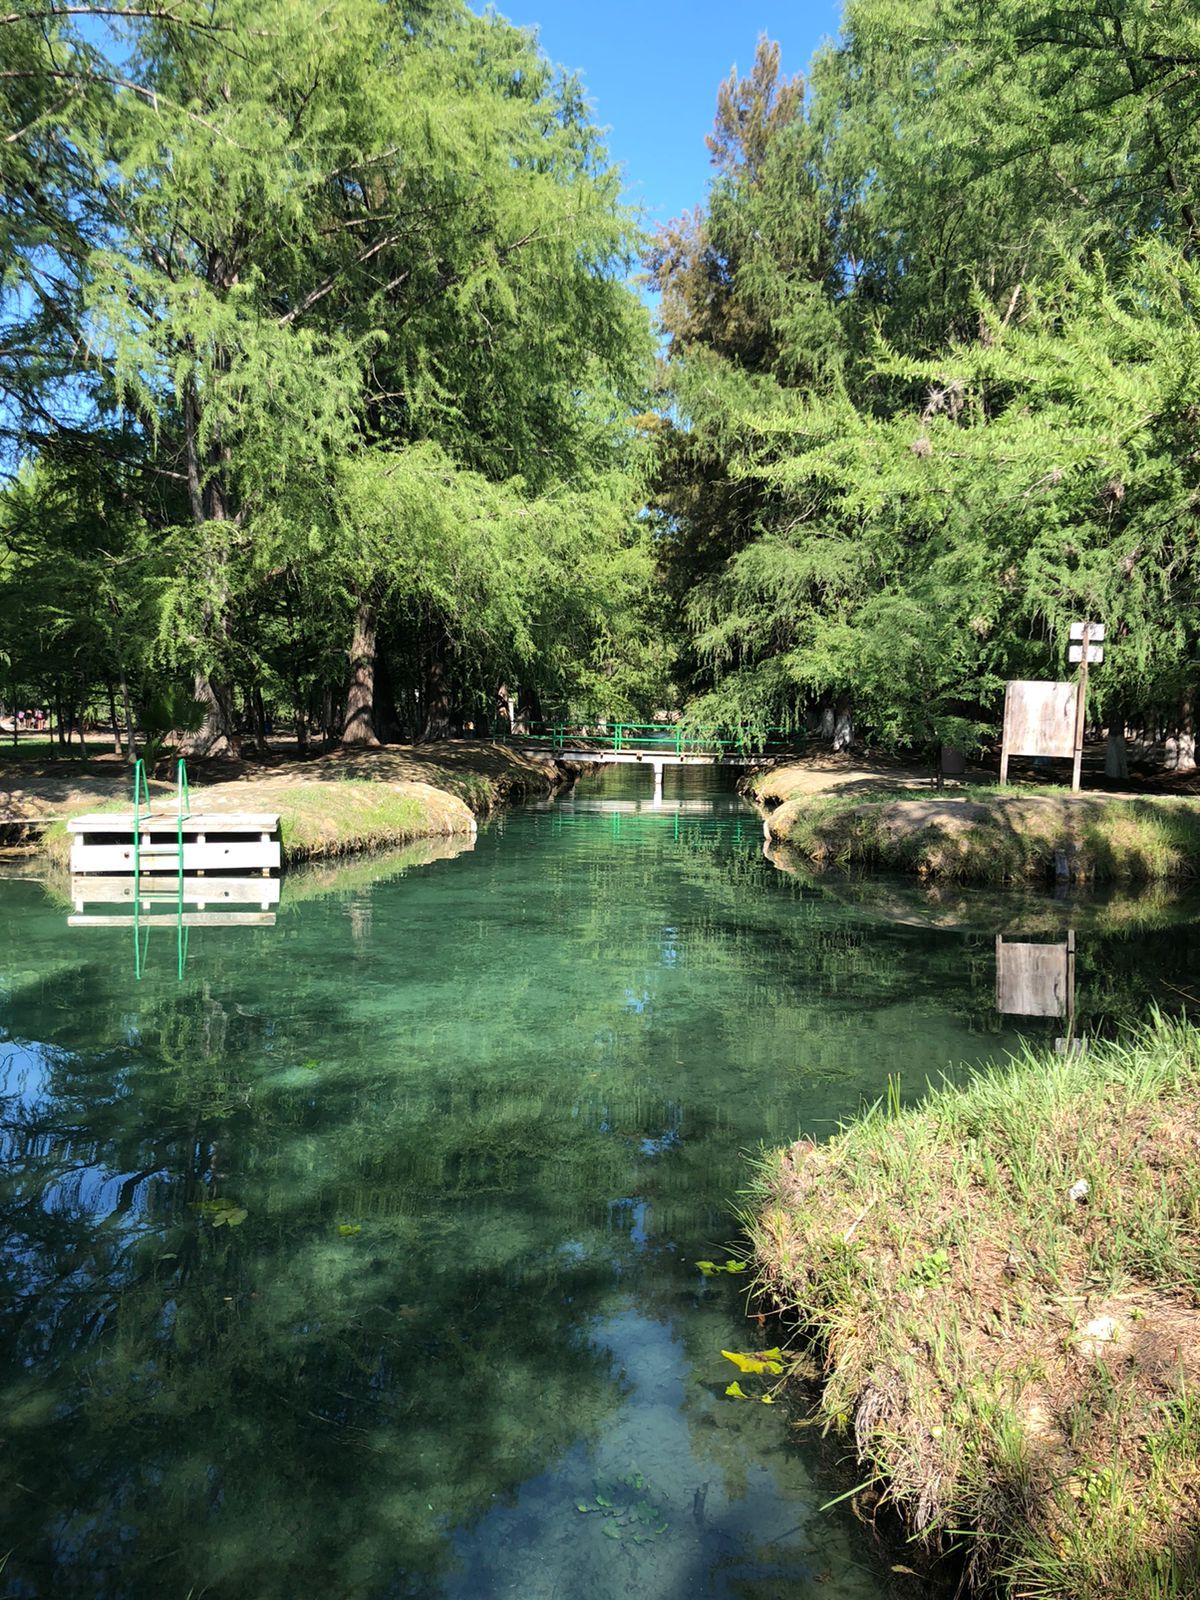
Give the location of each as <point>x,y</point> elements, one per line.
<point>752,1363</point>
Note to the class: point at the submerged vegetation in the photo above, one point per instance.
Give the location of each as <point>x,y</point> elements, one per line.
<point>1003,1285</point>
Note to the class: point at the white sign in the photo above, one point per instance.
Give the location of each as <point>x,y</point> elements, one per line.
<point>1039,719</point>
<point>1095,653</point>
<point>1095,633</point>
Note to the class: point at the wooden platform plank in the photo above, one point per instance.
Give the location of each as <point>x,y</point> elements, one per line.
<point>96,890</point>
<point>214,855</point>
<point>190,919</point>
<point>166,822</point>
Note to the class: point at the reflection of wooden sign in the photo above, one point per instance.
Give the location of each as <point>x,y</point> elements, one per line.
<point>1036,980</point>
<point>1039,720</point>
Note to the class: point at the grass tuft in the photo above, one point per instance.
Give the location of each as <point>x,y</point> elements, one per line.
<point>1004,1284</point>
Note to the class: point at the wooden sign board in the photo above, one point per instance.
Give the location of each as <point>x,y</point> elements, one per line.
<point>1095,654</point>
<point>1035,980</point>
<point>1095,632</point>
<point>1039,720</point>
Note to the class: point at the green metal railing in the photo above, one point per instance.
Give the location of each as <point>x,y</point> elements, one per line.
<point>670,739</point>
<point>140,788</point>
<point>183,810</point>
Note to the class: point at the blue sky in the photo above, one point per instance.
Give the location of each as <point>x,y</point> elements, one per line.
<point>652,67</point>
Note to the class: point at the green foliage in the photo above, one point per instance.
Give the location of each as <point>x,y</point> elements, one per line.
<point>348,327</point>
<point>933,351</point>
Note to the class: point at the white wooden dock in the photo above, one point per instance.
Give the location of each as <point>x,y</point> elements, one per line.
<point>213,842</point>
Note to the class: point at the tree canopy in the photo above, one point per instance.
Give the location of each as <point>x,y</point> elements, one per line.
<point>344,311</point>
<point>931,356</point>
<point>323,384</point>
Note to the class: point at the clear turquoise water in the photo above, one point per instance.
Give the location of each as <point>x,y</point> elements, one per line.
<point>482,1117</point>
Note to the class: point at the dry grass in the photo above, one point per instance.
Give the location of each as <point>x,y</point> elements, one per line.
<point>1005,1287</point>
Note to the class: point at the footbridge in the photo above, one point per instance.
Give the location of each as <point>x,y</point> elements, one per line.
<point>658,745</point>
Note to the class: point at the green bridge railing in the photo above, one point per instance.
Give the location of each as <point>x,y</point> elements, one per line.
<point>668,738</point>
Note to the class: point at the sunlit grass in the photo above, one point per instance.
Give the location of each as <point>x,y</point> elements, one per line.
<point>1005,1285</point>
<point>992,835</point>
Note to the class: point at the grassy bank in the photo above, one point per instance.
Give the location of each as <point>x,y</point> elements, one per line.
<point>987,835</point>
<point>1004,1284</point>
<point>329,806</point>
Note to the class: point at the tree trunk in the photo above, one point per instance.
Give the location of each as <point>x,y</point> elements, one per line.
<point>843,728</point>
<point>358,727</point>
<point>216,735</point>
<point>112,719</point>
<point>259,712</point>
<point>82,718</point>
<point>437,691</point>
<point>506,712</point>
<point>1177,741</point>
<point>301,717</point>
<point>130,739</point>
<point>1116,754</point>
<point>387,714</point>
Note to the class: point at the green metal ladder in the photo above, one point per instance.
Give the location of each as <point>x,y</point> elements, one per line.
<point>141,792</point>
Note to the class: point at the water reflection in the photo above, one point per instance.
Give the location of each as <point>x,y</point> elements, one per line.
<point>221,900</point>
<point>360,1260</point>
<point>1129,949</point>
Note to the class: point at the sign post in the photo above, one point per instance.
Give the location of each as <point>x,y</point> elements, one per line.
<point>1086,649</point>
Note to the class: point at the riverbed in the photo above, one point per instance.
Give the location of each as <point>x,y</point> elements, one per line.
<point>362,1259</point>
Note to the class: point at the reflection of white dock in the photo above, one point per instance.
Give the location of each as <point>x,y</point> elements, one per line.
<point>231,841</point>
<point>708,809</point>
<point>192,904</point>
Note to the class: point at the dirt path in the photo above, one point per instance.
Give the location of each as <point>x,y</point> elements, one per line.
<point>825,773</point>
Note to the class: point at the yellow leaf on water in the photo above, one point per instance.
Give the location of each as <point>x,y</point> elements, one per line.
<point>736,1392</point>
<point>767,1399</point>
<point>752,1363</point>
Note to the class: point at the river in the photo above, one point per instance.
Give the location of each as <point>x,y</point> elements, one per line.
<point>362,1261</point>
